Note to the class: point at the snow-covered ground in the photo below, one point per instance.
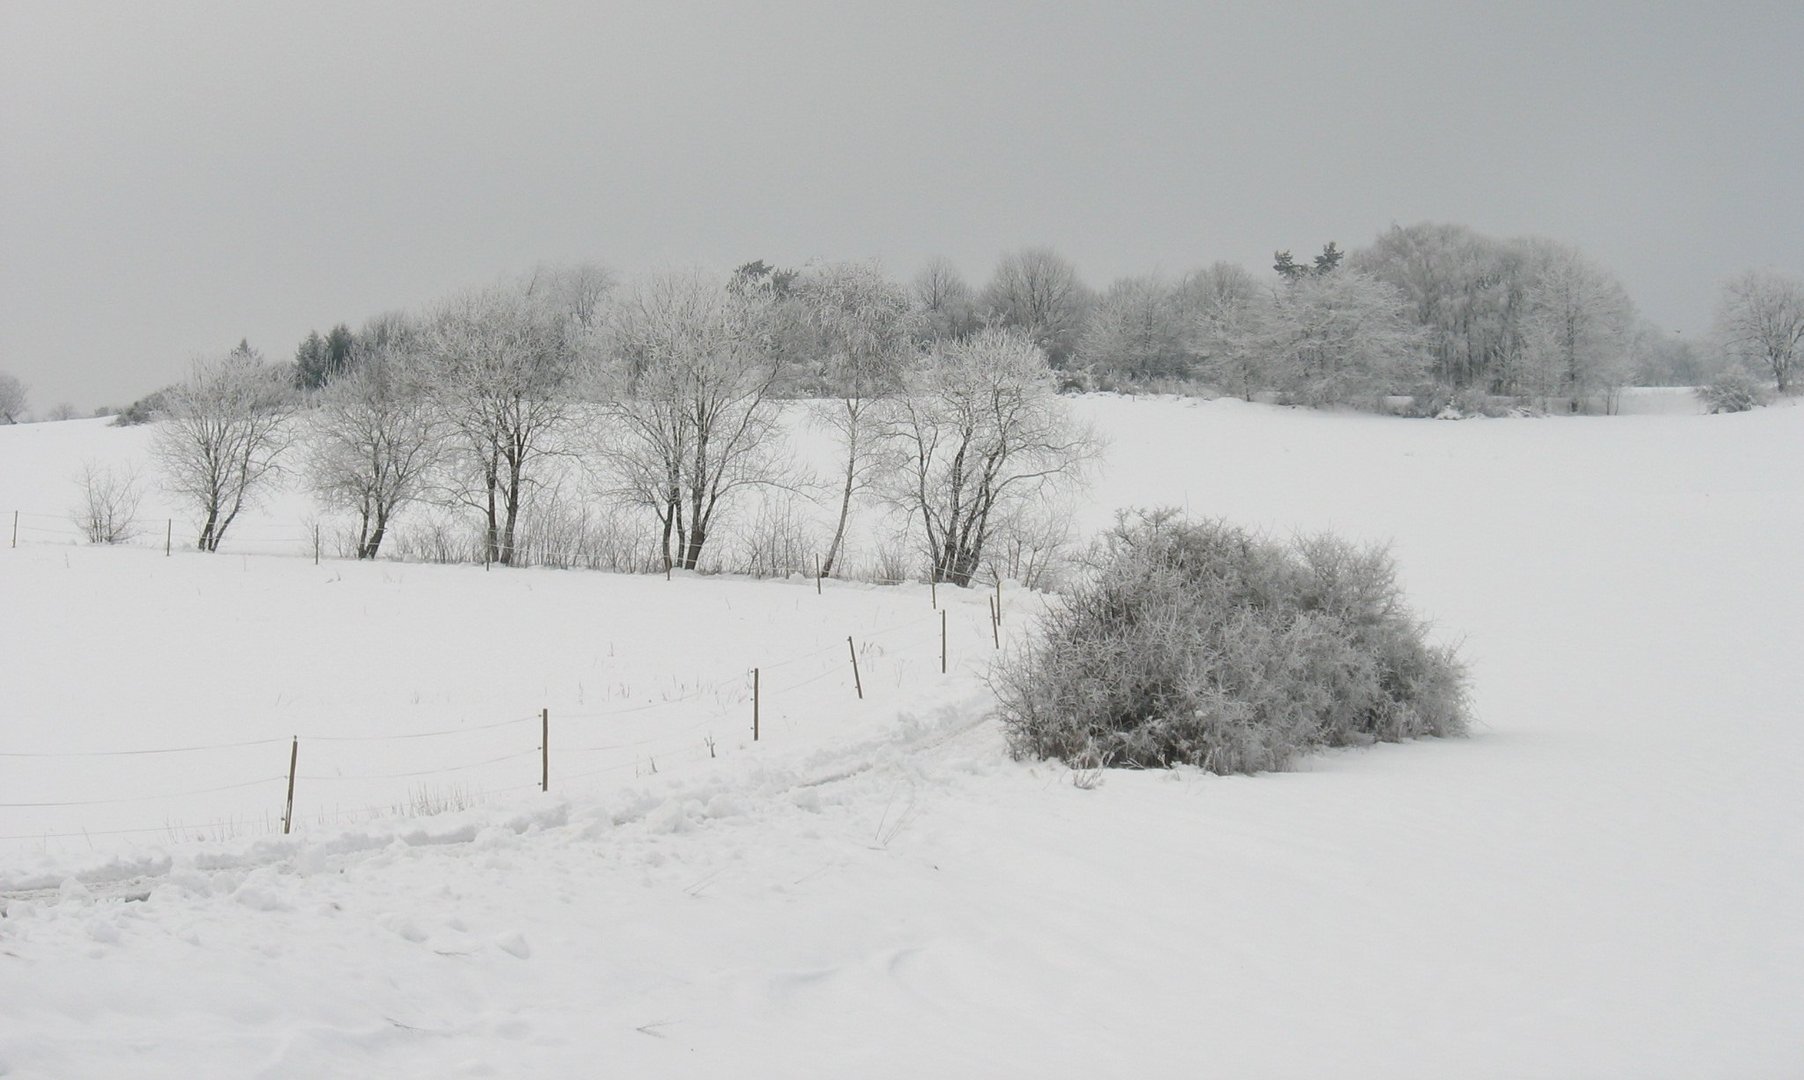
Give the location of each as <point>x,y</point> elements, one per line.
<point>1605,880</point>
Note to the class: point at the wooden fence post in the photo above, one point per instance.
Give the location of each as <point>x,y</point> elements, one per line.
<point>544,749</point>
<point>15,528</point>
<point>316,543</point>
<point>933,588</point>
<point>942,641</point>
<point>754,704</point>
<point>995,625</point>
<point>857,683</point>
<point>294,755</point>
<point>998,597</point>
<point>817,574</point>
<point>168,535</point>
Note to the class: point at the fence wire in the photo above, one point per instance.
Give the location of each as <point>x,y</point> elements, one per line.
<point>678,745</point>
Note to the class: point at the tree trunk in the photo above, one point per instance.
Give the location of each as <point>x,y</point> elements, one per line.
<point>670,513</point>
<point>692,554</point>
<point>374,543</point>
<point>491,540</point>
<point>513,515</point>
<point>363,530</point>
<point>845,512</point>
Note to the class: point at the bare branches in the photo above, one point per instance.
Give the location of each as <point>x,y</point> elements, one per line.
<point>1137,330</point>
<point>12,399</point>
<point>501,368</point>
<point>859,324</point>
<point>945,304</point>
<point>1342,337</point>
<point>691,420</point>
<point>224,431</point>
<point>110,497</point>
<point>1760,319</point>
<point>375,439</point>
<point>1037,291</point>
<point>978,431</point>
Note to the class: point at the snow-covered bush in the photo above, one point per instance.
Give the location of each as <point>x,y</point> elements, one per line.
<point>1732,391</point>
<point>1197,643</point>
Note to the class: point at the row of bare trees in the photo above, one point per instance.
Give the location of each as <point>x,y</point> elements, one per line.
<point>663,393</point>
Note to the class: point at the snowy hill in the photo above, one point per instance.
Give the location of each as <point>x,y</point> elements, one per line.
<point>1603,881</point>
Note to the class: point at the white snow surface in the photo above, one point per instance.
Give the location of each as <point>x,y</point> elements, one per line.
<point>1606,879</point>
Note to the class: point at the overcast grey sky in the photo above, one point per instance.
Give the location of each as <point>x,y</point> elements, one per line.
<point>176,176</point>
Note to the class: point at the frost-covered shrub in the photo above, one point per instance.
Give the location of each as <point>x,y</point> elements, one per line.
<point>108,511</point>
<point>569,533</point>
<point>1198,643</point>
<point>142,411</point>
<point>1732,391</point>
<point>779,541</point>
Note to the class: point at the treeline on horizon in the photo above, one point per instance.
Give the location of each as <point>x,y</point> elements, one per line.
<point>664,392</point>
<point>1437,314</point>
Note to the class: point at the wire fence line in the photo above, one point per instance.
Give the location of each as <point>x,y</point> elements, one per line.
<point>143,798</point>
<point>731,687</point>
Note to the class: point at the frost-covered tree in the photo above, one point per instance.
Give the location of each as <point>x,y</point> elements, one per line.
<point>691,420</point>
<point>578,291</point>
<point>1578,327</point>
<point>223,432</point>
<point>1659,358</point>
<point>1342,337</point>
<point>1760,319</point>
<point>1224,313</point>
<point>12,399</point>
<point>1468,290</point>
<point>375,438</point>
<point>1526,316</point>
<point>1038,292</point>
<point>500,366</point>
<point>1230,335</point>
<point>977,432</point>
<point>1136,329</point>
<point>945,304</point>
<point>860,329</point>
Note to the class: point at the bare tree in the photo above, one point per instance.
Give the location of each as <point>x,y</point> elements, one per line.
<point>375,439</point>
<point>691,420</point>
<point>979,431</point>
<point>1224,312</point>
<point>578,291</point>
<point>1760,318</point>
<point>945,303</point>
<point>223,432</point>
<point>385,329</point>
<point>108,512</point>
<point>501,366</point>
<point>1577,331</point>
<point>859,325</point>
<point>1342,337</point>
<point>1036,291</point>
<point>1136,329</point>
<point>12,399</point>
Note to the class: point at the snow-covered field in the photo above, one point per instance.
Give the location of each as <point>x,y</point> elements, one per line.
<point>1605,880</point>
